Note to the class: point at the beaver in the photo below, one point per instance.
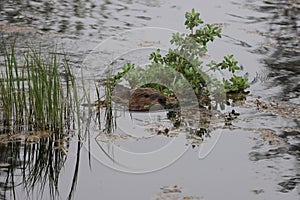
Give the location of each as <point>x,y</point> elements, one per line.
<point>144,99</point>
<point>140,99</point>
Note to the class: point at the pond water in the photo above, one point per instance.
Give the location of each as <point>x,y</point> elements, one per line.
<point>258,157</point>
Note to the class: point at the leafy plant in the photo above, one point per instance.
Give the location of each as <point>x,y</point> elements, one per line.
<point>235,84</point>
<point>186,59</point>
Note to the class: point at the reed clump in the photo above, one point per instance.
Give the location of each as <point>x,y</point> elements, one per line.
<point>37,91</point>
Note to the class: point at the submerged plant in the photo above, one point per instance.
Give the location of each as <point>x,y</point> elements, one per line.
<point>37,92</point>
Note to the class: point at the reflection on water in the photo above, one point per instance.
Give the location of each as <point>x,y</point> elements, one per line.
<point>80,18</point>
<point>282,59</point>
<point>277,124</point>
<point>33,167</point>
<point>281,48</point>
<point>38,167</point>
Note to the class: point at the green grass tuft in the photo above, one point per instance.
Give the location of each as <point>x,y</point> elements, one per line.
<point>37,91</point>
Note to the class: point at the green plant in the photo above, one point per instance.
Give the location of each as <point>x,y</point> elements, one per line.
<point>186,59</point>
<point>34,93</point>
<point>235,84</point>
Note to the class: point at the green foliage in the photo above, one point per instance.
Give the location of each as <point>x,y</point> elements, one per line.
<point>192,19</point>
<point>33,94</point>
<point>112,81</point>
<point>186,59</point>
<point>235,84</point>
<point>228,62</point>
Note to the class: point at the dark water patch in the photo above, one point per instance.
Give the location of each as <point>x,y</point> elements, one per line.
<point>80,18</point>
<point>287,134</point>
<point>34,167</point>
<point>144,17</point>
<point>277,139</point>
<point>278,23</point>
<point>291,180</point>
<point>289,184</point>
<point>293,150</point>
<point>272,153</point>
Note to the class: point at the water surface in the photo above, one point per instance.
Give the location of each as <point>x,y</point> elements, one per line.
<point>257,158</point>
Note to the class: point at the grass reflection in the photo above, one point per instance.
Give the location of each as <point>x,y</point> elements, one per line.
<point>35,168</point>
<point>38,113</point>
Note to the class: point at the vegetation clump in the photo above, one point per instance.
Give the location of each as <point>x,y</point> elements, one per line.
<point>37,92</point>
<point>186,60</point>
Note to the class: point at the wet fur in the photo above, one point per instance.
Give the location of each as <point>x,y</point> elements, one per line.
<point>140,99</point>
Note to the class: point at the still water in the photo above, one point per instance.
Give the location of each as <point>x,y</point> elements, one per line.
<point>256,158</point>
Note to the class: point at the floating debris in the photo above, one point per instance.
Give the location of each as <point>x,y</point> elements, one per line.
<point>258,191</point>
<point>4,165</point>
<point>174,193</point>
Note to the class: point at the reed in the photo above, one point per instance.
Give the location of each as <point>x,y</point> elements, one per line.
<point>105,111</point>
<point>110,117</point>
<point>37,91</point>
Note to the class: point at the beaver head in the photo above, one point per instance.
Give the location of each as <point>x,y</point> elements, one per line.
<point>144,99</point>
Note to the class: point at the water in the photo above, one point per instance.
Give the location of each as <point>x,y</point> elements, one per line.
<point>257,158</point>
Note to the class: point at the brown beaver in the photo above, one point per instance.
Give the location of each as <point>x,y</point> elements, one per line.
<point>144,99</point>
<point>140,99</point>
